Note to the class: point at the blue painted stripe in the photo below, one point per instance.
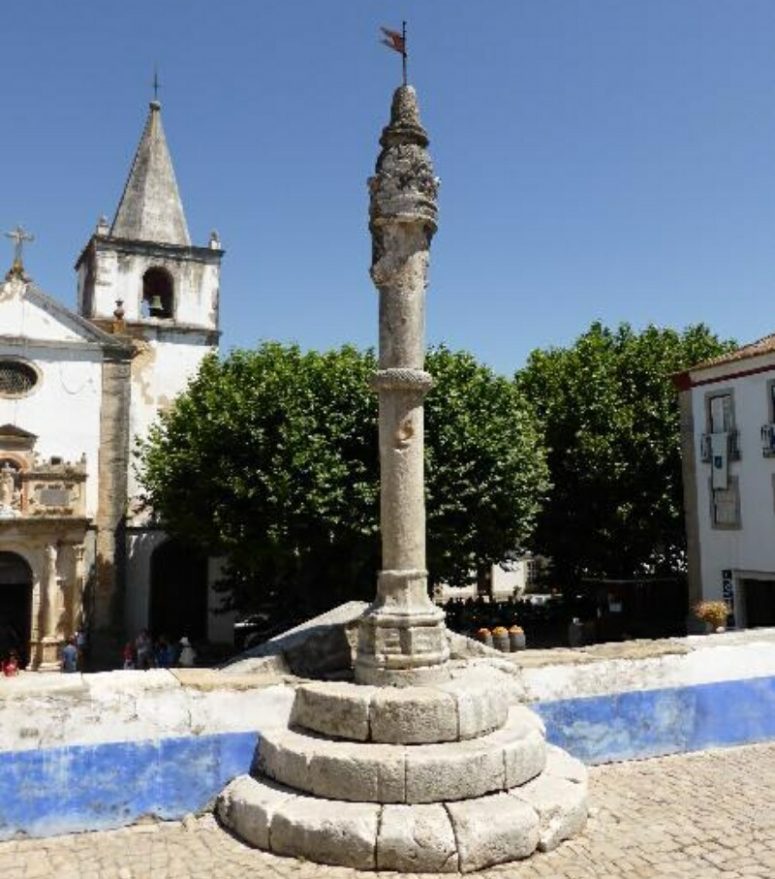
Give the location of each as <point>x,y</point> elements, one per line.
<point>96,787</point>
<point>652,723</point>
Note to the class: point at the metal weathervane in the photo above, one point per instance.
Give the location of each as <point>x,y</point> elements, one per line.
<point>397,42</point>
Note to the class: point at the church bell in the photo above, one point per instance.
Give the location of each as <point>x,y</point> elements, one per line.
<point>155,305</point>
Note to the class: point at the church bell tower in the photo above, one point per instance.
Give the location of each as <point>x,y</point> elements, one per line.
<point>144,265</point>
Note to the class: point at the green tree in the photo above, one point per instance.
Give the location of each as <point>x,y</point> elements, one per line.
<point>486,472</point>
<point>270,460</point>
<point>611,426</point>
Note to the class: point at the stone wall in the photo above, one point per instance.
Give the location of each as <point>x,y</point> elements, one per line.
<point>81,752</point>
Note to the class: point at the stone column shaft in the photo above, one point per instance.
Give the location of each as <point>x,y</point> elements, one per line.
<point>402,638</point>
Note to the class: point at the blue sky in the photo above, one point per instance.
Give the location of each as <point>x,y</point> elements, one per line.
<point>599,159</point>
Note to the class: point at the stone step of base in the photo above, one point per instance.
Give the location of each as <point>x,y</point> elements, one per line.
<point>474,702</point>
<point>380,773</point>
<point>447,837</point>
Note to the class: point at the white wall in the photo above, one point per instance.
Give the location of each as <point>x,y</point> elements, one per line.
<point>63,410</point>
<point>159,374</point>
<point>752,546</point>
<point>505,583</point>
<point>120,276</point>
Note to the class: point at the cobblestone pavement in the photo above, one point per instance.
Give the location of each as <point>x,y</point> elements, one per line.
<point>692,816</point>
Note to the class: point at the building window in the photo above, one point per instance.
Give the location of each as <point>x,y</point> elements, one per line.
<point>719,420</point>
<point>17,378</point>
<point>725,505</point>
<point>158,294</point>
<point>768,428</point>
<point>721,415</point>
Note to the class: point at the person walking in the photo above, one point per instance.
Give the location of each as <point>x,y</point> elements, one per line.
<point>144,650</point>
<point>128,656</point>
<point>70,657</point>
<point>187,658</point>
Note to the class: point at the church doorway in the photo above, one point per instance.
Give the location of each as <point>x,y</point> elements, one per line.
<point>15,606</point>
<point>178,592</point>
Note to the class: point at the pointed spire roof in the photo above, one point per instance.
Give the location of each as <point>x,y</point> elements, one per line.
<point>150,208</point>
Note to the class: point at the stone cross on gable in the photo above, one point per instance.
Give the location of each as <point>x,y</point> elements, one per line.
<point>19,236</point>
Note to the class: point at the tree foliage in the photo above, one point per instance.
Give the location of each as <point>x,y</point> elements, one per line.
<point>611,426</point>
<point>270,459</point>
<point>486,472</point>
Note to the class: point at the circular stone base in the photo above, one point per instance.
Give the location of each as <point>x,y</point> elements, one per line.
<point>462,836</point>
<point>380,773</point>
<point>472,703</point>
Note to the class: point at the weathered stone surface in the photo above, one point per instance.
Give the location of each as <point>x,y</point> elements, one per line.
<point>456,771</point>
<point>493,830</point>
<point>561,806</point>
<point>480,708</point>
<point>334,709</point>
<point>283,757</point>
<point>561,764</point>
<point>524,760</point>
<point>416,839</point>
<point>321,645</point>
<point>413,715</point>
<point>150,208</point>
<point>340,834</point>
<point>247,805</point>
<point>370,773</point>
<point>403,630</point>
<point>475,767</point>
<point>422,676</point>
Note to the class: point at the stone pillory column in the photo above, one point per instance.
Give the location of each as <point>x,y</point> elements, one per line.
<point>402,638</point>
<point>432,768</point>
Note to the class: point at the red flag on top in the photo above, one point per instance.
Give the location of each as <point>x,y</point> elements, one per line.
<point>394,40</point>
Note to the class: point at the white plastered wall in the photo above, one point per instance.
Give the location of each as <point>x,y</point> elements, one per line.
<point>63,410</point>
<point>161,371</point>
<point>120,276</point>
<point>751,547</point>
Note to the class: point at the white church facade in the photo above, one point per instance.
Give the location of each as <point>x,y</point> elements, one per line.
<point>77,549</point>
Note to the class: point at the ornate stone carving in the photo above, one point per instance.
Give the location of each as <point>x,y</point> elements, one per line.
<point>10,497</point>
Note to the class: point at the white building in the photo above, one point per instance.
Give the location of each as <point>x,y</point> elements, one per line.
<point>76,390</point>
<point>728,447</point>
<point>508,579</point>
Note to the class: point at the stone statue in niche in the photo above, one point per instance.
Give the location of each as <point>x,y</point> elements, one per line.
<point>9,496</point>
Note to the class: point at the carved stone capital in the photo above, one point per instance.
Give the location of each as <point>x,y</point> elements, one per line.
<point>402,379</point>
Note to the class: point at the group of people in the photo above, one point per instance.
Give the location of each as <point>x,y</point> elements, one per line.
<point>144,652</point>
